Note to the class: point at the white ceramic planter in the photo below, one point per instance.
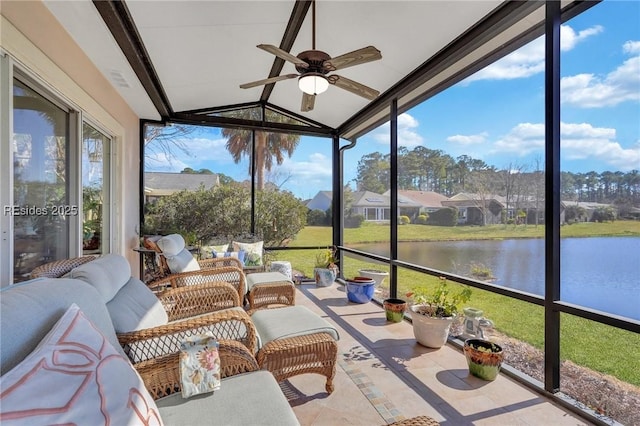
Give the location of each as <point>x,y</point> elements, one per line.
<point>375,274</point>
<point>324,277</point>
<point>429,331</point>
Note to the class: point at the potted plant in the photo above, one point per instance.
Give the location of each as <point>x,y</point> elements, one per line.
<point>394,309</point>
<point>484,358</point>
<point>326,269</point>
<point>432,313</point>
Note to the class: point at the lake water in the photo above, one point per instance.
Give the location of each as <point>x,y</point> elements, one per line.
<point>599,273</point>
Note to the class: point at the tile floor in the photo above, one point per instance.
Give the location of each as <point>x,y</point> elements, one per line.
<point>383,375</point>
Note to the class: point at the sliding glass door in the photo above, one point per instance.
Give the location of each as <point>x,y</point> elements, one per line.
<point>41,205</point>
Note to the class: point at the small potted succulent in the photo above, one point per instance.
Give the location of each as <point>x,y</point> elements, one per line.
<point>432,313</point>
<point>326,269</point>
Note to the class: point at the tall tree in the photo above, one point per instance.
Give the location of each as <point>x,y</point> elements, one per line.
<point>269,147</point>
<point>373,173</point>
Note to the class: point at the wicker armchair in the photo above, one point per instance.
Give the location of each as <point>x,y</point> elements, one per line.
<point>164,340</point>
<point>228,274</point>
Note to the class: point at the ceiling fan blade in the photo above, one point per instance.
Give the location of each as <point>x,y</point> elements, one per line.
<point>308,101</point>
<point>357,57</point>
<point>353,87</point>
<point>284,55</point>
<point>268,81</point>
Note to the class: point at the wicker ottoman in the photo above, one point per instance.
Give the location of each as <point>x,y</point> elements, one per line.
<point>294,340</point>
<point>269,288</point>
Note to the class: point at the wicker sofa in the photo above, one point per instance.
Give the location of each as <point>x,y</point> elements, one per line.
<point>41,368</point>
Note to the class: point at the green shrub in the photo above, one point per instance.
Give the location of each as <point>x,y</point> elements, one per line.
<point>353,221</point>
<point>603,214</point>
<point>422,219</point>
<point>225,210</point>
<point>481,272</point>
<point>316,218</point>
<point>447,216</point>
<point>404,220</point>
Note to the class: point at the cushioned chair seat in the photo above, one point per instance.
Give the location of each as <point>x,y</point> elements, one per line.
<point>236,403</point>
<point>294,340</point>
<point>291,321</point>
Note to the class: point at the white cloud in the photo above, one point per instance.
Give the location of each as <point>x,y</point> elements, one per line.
<point>198,153</point>
<point>523,139</point>
<point>579,141</point>
<point>591,91</point>
<point>468,139</point>
<point>303,176</point>
<point>529,59</point>
<point>631,46</point>
<point>407,135</point>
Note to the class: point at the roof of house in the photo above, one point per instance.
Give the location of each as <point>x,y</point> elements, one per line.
<point>158,184</point>
<point>372,199</point>
<point>466,199</point>
<point>423,198</point>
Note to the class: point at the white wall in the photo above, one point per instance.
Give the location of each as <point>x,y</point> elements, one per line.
<point>36,43</point>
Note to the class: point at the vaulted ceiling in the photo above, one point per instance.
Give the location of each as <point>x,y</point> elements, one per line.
<point>171,58</point>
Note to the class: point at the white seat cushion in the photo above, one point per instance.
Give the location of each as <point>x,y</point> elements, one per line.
<point>244,399</point>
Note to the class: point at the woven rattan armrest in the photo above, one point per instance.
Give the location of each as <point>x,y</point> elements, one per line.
<point>193,300</point>
<point>58,268</point>
<point>220,262</point>
<point>310,353</point>
<point>165,339</point>
<point>417,421</point>
<point>161,375</point>
<point>267,295</point>
<point>229,274</point>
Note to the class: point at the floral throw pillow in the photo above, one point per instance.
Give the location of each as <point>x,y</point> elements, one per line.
<point>240,255</point>
<point>253,252</point>
<point>199,365</point>
<point>208,252</point>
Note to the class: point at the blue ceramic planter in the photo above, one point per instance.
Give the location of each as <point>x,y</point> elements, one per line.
<point>360,290</point>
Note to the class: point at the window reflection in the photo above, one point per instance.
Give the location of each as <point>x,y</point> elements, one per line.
<point>95,148</point>
<point>41,209</point>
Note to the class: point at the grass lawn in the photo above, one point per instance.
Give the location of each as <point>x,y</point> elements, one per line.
<point>596,346</point>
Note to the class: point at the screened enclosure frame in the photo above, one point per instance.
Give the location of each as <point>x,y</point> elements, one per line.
<point>388,106</point>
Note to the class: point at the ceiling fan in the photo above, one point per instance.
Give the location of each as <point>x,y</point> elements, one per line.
<point>313,67</point>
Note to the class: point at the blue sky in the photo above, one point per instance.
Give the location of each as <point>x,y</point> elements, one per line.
<point>496,115</point>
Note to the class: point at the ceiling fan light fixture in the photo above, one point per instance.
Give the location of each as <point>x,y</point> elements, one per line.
<point>313,83</point>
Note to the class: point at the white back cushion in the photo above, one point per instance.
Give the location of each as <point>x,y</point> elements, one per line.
<point>135,307</point>
<point>107,274</point>
<point>171,245</point>
<point>75,376</point>
<point>29,310</point>
<point>182,262</point>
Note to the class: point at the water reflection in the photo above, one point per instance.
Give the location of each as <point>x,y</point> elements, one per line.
<point>600,273</point>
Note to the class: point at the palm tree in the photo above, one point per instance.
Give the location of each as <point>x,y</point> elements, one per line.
<point>269,146</point>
